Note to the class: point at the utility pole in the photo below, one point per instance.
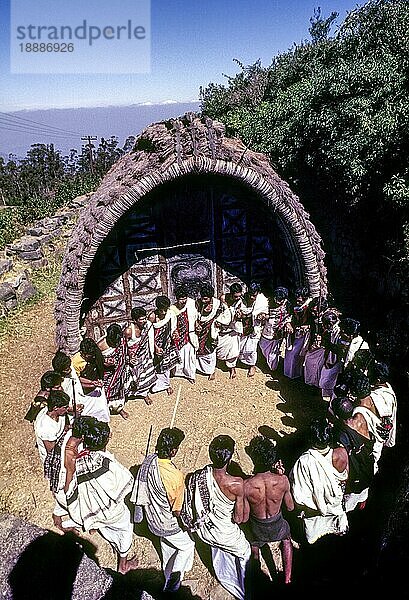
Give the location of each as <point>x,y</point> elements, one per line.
<point>90,146</point>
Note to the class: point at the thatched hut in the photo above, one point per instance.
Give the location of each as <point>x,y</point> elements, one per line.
<point>186,205</point>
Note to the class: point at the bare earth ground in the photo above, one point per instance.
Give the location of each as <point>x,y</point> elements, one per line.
<point>207,408</point>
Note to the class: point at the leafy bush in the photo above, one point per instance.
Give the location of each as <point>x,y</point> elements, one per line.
<point>10,225</point>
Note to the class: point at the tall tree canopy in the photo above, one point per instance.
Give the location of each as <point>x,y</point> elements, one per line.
<point>333,116</point>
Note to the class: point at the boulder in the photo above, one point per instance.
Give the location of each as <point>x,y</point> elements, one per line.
<point>8,298</point>
<point>43,565</point>
<point>25,244</point>
<point>5,265</point>
<point>31,255</point>
<point>23,287</point>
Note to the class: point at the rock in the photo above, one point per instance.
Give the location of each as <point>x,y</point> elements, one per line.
<point>8,298</point>
<point>47,237</point>
<point>24,244</point>
<point>38,264</point>
<point>24,288</point>
<point>40,564</point>
<point>35,563</point>
<point>5,265</point>
<point>31,255</point>
<point>35,231</point>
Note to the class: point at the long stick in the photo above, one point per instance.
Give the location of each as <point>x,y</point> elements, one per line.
<point>149,441</point>
<point>175,407</point>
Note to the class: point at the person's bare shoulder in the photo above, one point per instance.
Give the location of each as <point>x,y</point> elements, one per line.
<point>236,485</point>
<point>340,459</point>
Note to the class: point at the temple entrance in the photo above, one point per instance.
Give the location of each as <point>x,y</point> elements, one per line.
<point>199,228</point>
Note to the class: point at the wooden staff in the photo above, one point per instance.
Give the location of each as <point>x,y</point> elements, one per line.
<point>138,512</point>
<point>175,407</point>
<point>149,441</point>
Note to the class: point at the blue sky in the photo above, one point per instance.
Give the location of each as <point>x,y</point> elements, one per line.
<point>193,42</point>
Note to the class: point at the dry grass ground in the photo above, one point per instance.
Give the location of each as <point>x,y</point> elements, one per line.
<point>239,407</point>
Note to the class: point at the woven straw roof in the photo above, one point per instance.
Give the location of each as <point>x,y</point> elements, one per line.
<point>164,152</point>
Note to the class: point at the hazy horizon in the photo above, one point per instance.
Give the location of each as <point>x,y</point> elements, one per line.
<point>64,127</point>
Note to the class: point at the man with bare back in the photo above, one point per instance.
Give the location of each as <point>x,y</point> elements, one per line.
<point>265,492</point>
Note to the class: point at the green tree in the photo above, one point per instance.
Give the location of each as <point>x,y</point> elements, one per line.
<point>333,115</point>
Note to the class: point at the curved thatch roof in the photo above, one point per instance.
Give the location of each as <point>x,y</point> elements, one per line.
<point>163,152</point>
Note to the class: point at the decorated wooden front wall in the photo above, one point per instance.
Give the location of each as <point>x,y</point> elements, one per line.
<point>194,230</point>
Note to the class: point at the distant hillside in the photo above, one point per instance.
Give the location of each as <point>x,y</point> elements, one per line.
<point>18,134</point>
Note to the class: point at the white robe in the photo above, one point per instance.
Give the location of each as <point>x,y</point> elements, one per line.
<point>384,399</point>
<point>230,549</point>
<point>187,367</point>
<point>316,484</point>
<point>95,403</point>
<point>249,343</point>
<point>95,498</point>
<point>373,422</point>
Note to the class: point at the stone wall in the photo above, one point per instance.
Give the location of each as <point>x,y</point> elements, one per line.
<point>41,240</point>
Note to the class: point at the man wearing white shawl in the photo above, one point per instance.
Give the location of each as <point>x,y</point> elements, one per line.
<point>277,324</point>
<point>298,341</point>
<point>214,507</point>
<point>212,314</point>
<point>362,391</point>
<point>166,353</point>
<point>96,492</point>
<point>254,304</point>
<point>384,400</point>
<point>318,480</point>
<point>341,349</point>
<point>159,488</point>
<point>186,341</point>
<point>228,346</point>
<point>93,404</point>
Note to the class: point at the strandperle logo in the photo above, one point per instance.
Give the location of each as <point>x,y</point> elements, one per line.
<point>80,37</point>
<point>87,32</point>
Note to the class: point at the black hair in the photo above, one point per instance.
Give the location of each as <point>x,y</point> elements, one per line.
<point>360,386</point>
<point>206,290</point>
<point>345,382</point>
<point>330,317</point>
<point>235,288</point>
<point>320,433</point>
<point>349,326</point>
<point>114,335</point>
<point>342,407</point>
<point>302,292</point>
<point>280,293</point>
<point>263,453</point>
<point>82,424</point>
<point>221,450</point>
<point>162,302</point>
<point>378,372</point>
<point>254,287</point>
<point>61,362</point>
<point>181,291</point>
<point>169,439</point>
<point>89,347</point>
<point>50,379</point>
<point>137,312</point>
<point>96,435</point>
<point>363,358</point>
<point>57,399</point>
